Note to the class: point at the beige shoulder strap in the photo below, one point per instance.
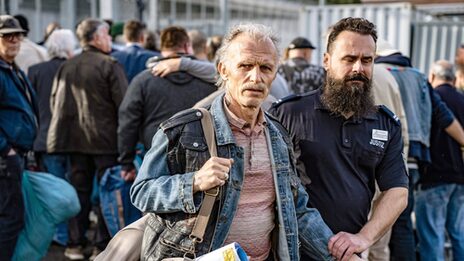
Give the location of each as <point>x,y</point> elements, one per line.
<point>210,196</point>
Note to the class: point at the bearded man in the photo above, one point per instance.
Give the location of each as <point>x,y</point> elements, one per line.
<point>344,143</point>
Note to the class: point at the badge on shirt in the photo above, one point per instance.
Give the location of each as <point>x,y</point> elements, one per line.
<point>379,134</point>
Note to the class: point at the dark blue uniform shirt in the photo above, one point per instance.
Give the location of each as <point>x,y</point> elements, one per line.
<point>343,157</point>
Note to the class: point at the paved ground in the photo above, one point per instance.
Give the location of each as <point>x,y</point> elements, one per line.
<point>56,253</point>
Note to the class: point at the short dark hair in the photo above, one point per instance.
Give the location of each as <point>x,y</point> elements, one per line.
<point>352,24</point>
<point>87,28</point>
<point>173,37</point>
<point>133,30</point>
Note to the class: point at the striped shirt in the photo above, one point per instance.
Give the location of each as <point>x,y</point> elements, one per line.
<point>254,221</point>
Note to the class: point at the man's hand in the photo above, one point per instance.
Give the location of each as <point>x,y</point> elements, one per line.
<point>128,175</point>
<point>166,67</point>
<point>343,245</point>
<point>214,173</point>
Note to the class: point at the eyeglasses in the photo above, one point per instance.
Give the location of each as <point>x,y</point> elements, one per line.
<point>10,37</point>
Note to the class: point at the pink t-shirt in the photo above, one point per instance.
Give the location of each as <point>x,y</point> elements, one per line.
<point>254,221</point>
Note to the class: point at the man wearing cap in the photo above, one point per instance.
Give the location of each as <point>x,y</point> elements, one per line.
<point>18,126</point>
<point>300,75</point>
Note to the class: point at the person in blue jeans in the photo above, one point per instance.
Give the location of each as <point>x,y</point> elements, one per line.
<point>422,105</point>
<point>252,147</point>
<point>440,198</point>
<point>18,127</point>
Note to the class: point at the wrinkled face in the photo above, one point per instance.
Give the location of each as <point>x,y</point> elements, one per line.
<point>351,59</point>
<point>9,46</point>
<point>250,67</point>
<point>102,39</point>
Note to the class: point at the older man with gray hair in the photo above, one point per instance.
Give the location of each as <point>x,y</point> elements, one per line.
<point>440,197</point>
<point>261,202</point>
<point>86,94</point>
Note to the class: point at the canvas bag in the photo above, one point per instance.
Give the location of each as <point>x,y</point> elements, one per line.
<point>158,238</point>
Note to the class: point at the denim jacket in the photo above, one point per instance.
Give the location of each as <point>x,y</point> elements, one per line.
<point>18,122</point>
<point>421,104</point>
<point>163,189</point>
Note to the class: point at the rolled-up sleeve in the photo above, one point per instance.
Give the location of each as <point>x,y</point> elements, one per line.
<point>157,190</point>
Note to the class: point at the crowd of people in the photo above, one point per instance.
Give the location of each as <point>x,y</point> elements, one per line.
<point>313,162</point>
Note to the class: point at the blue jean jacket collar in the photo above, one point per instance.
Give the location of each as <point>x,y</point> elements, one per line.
<point>223,132</point>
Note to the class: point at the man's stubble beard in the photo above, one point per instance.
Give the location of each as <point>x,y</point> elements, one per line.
<point>343,97</point>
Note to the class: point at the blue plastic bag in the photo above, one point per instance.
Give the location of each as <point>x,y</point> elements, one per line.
<point>48,201</point>
<point>116,207</point>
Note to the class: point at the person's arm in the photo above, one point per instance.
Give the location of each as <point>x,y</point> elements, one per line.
<point>390,205</point>
<point>444,118</point>
<point>314,234</point>
<point>456,132</point>
<point>118,83</point>
<point>201,69</point>
<point>393,181</point>
<point>130,118</point>
<point>157,190</point>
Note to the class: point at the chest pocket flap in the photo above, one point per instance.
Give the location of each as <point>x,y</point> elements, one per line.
<point>193,143</point>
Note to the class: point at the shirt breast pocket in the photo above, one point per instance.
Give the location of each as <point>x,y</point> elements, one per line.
<point>370,157</point>
<point>195,152</point>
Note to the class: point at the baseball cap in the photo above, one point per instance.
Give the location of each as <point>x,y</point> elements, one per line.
<point>8,25</point>
<point>300,43</point>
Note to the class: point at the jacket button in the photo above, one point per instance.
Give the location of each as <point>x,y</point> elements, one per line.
<point>195,145</point>
<point>198,114</point>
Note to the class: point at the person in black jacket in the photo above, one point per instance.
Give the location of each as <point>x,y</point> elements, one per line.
<point>151,100</point>
<point>86,94</point>
<point>440,197</point>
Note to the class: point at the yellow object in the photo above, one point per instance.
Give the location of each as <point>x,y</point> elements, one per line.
<point>229,254</point>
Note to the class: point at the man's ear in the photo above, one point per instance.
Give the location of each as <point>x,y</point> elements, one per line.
<point>431,78</point>
<point>222,71</point>
<point>326,61</point>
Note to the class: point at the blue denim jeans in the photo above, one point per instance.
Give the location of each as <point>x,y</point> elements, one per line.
<point>58,165</point>
<point>439,208</point>
<point>402,243</point>
<point>11,204</point>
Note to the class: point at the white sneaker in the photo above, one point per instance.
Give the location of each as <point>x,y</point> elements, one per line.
<point>74,253</point>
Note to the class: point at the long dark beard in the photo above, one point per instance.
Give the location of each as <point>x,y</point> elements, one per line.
<point>343,97</point>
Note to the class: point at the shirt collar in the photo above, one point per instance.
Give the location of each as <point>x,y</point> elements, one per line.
<point>240,123</point>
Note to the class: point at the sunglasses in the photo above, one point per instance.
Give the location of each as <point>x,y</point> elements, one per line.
<point>11,36</point>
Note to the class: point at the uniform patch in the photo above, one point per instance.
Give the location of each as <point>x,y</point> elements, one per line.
<point>379,134</point>
<point>377,143</point>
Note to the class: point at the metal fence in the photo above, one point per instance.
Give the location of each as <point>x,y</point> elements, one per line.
<point>393,22</point>
<point>435,41</point>
<point>414,30</point>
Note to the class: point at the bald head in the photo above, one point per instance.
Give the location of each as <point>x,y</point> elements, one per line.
<point>441,72</point>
